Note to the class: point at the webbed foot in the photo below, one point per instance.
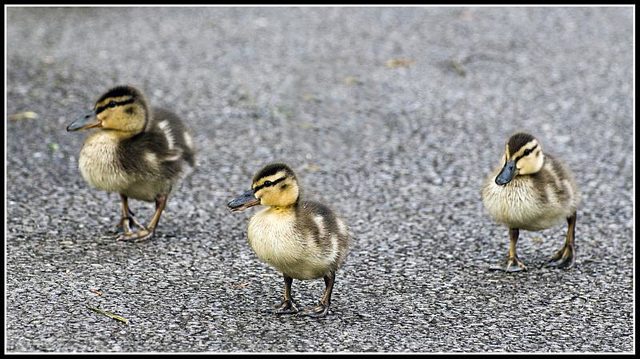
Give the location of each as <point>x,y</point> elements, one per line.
<point>286,307</point>
<point>126,223</point>
<point>136,236</point>
<point>564,258</point>
<point>318,311</point>
<point>510,265</point>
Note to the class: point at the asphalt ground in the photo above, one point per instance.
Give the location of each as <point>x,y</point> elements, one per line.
<point>392,116</point>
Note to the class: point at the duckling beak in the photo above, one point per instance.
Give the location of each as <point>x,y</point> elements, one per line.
<point>506,175</point>
<point>89,120</point>
<point>244,201</point>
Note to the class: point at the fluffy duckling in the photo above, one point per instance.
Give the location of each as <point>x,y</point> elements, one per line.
<point>301,239</point>
<point>136,151</point>
<point>532,191</point>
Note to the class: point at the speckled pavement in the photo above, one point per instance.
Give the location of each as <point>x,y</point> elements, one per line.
<point>392,116</point>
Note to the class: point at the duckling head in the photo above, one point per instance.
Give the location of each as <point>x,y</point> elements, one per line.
<point>274,185</point>
<point>122,108</point>
<point>523,156</point>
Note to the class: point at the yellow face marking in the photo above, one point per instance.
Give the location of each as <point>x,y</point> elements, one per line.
<point>283,194</point>
<point>530,163</point>
<point>524,148</point>
<point>271,178</point>
<point>106,101</point>
<point>127,115</point>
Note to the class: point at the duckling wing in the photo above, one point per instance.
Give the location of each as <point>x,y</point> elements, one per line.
<point>177,138</point>
<point>557,184</point>
<point>160,152</point>
<point>144,157</point>
<point>325,231</point>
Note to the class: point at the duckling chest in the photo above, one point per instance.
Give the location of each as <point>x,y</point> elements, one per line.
<point>100,165</point>
<point>274,238</point>
<point>520,205</point>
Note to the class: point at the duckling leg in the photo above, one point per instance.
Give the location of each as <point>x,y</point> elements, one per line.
<point>322,308</point>
<point>146,233</point>
<point>287,306</point>
<point>127,216</point>
<point>566,256</point>
<point>512,264</point>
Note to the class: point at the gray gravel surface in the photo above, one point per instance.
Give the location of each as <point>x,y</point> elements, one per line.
<point>399,149</point>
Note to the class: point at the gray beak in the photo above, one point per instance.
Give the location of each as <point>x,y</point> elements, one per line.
<point>244,201</point>
<point>506,175</point>
<point>89,120</point>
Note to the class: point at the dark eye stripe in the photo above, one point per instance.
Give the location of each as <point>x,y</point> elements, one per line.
<point>121,103</point>
<point>272,183</point>
<point>526,153</point>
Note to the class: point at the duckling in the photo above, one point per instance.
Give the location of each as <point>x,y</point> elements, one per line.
<point>300,239</point>
<point>532,191</point>
<point>136,151</point>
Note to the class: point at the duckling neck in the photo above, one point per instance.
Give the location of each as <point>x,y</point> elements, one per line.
<point>121,135</point>
<point>282,209</point>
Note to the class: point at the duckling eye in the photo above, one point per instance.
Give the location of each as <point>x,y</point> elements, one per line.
<point>112,104</point>
<point>527,152</point>
<point>267,183</point>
